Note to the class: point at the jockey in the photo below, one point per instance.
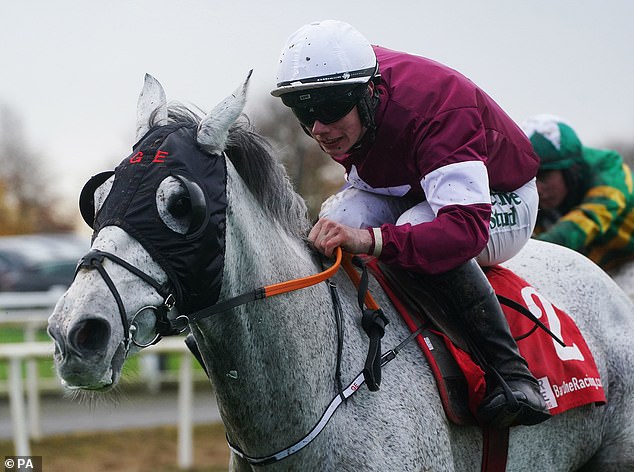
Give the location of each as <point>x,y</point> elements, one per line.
<point>585,195</point>
<point>439,181</point>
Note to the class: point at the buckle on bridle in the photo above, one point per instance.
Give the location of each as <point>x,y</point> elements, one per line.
<point>169,302</point>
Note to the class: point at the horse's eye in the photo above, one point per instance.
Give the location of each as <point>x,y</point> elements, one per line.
<point>180,206</point>
<point>173,205</point>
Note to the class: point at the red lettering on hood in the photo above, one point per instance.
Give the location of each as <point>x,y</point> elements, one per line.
<point>160,156</point>
<point>136,158</point>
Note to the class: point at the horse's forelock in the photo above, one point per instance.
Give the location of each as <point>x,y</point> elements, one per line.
<point>251,156</point>
<point>177,113</point>
<point>267,179</point>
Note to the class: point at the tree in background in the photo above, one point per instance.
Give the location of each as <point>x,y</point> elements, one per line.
<point>26,201</point>
<point>313,174</point>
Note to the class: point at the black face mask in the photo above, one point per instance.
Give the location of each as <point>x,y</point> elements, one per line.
<point>193,261</point>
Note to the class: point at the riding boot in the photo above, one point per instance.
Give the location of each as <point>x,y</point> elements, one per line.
<point>513,396</point>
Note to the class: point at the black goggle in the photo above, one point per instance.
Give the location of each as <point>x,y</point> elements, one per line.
<point>326,113</point>
<point>326,106</point>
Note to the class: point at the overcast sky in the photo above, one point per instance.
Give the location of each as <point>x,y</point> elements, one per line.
<point>72,70</point>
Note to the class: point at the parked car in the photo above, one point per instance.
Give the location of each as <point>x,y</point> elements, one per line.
<point>39,262</point>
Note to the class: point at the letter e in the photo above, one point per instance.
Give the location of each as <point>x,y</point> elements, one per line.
<point>160,156</point>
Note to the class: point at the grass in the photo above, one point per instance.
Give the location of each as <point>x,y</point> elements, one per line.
<point>15,334</point>
<point>11,334</point>
<point>139,450</point>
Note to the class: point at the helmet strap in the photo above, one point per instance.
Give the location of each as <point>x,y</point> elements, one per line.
<point>368,102</point>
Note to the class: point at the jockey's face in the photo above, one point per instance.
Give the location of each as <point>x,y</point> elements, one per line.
<point>551,188</point>
<point>339,137</point>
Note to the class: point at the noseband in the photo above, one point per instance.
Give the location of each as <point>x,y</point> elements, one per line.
<point>164,327</point>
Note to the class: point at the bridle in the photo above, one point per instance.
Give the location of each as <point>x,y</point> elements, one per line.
<point>167,327</point>
<point>94,260</point>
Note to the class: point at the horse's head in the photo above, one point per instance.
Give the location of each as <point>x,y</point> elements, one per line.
<point>158,241</point>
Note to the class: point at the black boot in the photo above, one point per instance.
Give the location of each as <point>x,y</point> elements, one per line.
<point>513,396</point>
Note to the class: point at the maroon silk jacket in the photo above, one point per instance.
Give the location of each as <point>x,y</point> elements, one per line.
<point>441,138</point>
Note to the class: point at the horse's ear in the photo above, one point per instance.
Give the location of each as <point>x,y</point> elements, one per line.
<point>152,98</point>
<point>213,130</point>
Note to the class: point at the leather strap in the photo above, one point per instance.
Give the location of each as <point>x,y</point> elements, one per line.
<point>495,447</point>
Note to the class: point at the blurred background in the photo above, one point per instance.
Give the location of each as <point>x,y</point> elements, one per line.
<point>71,72</point>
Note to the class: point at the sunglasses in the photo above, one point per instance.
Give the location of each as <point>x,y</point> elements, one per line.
<point>325,108</point>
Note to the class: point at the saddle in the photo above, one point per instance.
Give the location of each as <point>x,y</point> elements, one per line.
<point>567,374</point>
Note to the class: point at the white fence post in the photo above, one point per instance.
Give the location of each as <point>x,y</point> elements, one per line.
<point>185,417</point>
<point>16,395</point>
<point>32,388</point>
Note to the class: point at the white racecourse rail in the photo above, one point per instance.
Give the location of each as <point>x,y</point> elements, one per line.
<point>31,310</point>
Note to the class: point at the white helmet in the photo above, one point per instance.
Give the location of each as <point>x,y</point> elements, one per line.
<point>323,54</point>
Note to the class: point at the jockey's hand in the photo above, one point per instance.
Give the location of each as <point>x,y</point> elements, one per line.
<point>328,235</point>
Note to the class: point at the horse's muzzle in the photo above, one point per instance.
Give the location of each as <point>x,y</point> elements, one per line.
<point>84,357</point>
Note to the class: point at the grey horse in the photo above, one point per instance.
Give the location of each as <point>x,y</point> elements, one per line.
<point>272,360</point>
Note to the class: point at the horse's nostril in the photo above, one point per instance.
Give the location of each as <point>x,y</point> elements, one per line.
<point>90,335</point>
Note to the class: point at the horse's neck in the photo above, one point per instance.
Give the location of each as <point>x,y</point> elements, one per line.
<point>261,356</point>
<point>259,251</point>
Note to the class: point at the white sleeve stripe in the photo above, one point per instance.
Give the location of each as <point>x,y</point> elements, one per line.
<point>378,242</point>
<point>462,183</point>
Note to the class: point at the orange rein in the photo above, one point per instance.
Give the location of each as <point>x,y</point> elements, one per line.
<point>303,282</point>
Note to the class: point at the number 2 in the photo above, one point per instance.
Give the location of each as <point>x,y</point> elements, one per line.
<point>567,353</point>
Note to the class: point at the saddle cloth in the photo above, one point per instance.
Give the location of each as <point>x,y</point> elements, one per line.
<point>568,376</point>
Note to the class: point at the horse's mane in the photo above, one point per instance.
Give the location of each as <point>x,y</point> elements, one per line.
<point>265,177</point>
